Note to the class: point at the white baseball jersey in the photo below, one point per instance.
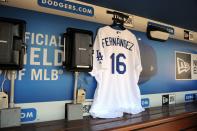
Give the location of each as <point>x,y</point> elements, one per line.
<point>116,68</point>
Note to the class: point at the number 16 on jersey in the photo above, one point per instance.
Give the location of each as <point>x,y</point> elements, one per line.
<point>118,66</point>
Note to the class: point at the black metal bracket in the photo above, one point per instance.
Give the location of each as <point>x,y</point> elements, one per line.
<point>118,17</point>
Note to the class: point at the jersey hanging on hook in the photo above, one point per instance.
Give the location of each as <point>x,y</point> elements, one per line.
<point>118,20</point>
<point>116,68</point>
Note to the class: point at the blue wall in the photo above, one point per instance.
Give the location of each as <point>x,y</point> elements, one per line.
<point>46,26</point>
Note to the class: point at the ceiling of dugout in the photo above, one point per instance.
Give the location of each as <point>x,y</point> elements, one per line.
<point>181,13</point>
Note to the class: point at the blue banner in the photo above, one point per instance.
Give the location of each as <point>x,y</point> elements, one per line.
<point>44,79</point>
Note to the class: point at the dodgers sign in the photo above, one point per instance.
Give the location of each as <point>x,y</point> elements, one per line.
<point>67,6</point>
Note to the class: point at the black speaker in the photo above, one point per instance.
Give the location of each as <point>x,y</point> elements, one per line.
<point>78,50</point>
<point>12,45</point>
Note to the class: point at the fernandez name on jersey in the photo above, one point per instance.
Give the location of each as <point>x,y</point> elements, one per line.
<point>113,41</point>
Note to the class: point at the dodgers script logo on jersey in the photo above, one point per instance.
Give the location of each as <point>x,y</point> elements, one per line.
<point>116,67</point>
